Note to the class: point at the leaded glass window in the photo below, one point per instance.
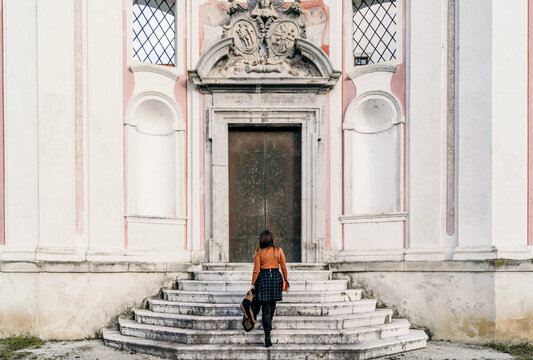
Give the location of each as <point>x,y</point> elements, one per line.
<point>375,29</point>
<point>154,31</point>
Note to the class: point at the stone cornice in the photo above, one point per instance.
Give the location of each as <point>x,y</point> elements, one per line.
<point>94,267</point>
<point>495,265</point>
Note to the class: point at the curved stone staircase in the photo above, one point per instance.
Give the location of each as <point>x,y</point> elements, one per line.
<point>319,318</point>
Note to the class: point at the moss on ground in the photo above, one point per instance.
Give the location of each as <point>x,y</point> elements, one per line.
<point>10,347</point>
<point>521,351</point>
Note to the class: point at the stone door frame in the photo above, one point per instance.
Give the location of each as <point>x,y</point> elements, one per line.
<point>310,119</point>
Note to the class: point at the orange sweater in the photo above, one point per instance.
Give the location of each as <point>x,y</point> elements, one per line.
<point>268,259</point>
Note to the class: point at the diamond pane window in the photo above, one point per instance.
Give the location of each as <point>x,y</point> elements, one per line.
<point>154,31</point>
<point>375,29</point>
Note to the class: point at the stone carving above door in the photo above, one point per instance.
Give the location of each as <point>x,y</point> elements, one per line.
<point>264,40</point>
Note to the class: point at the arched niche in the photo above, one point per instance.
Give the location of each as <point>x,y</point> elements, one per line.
<point>374,216</point>
<point>155,158</point>
<point>373,134</point>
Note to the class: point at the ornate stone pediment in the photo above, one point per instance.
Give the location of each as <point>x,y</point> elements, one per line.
<point>264,45</point>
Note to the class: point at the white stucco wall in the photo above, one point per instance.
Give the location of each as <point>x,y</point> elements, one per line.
<point>427,130</point>
<point>41,204</point>
<point>55,79</point>
<point>75,300</point>
<point>473,302</point>
<point>21,127</point>
<point>104,127</point>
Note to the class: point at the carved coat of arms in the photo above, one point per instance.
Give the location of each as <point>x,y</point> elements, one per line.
<point>264,34</point>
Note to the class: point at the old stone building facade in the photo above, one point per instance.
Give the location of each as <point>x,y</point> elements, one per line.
<point>387,139</point>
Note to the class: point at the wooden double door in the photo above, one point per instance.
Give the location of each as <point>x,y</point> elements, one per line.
<point>265,190</point>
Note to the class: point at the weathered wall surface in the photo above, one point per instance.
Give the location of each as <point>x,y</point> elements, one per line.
<point>473,302</point>
<point>514,306</point>
<point>75,301</point>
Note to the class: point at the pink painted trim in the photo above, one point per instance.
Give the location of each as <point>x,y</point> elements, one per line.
<point>343,105</point>
<point>202,174</point>
<point>78,116</point>
<point>530,124</point>
<point>128,78</point>
<point>128,85</point>
<point>187,222</point>
<point>327,126</point>
<point>181,96</point>
<point>2,134</point>
<point>404,61</point>
<point>399,89</point>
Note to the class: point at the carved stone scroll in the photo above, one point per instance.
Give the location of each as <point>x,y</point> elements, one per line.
<point>263,34</point>
<point>263,48</point>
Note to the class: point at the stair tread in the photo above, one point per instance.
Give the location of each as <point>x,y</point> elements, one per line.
<point>280,304</point>
<point>317,266</point>
<point>240,293</point>
<point>246,282</point>
<point>321,318</point>
<point>414,335</point>
<point>337,323</point>
<point>396,323</point>
<point>251,270</point>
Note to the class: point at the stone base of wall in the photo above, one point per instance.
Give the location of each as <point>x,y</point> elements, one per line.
<point>468,301</point>
<point>75,300</point>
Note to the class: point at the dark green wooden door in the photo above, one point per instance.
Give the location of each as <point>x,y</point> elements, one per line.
<point>265,166</point>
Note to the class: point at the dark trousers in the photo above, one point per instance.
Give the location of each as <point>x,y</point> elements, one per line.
<point>268,313</point>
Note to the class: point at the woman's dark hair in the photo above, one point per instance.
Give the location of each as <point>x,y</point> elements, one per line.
<point>266,240</point>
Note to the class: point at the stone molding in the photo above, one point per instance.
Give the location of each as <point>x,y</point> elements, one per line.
<point>268,56</point>
<point>494,265</point>
<point>95,267</point>
<point>491,252</point>
<point>180,220</point>
<point>374,218</point>
<point>426,254</point>
<point>310,120</point>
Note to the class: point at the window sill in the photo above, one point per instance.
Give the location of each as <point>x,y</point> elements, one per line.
<point>170,72</point>
<point>373,218</point>
<point>145,219</point>
<point>371,68</point>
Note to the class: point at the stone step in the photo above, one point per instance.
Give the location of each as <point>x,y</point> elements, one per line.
<point>243,275</point>
<point>416,339</point>
<point>249,266</point>
<point>226,337</point>
<point>349,321</point>
<point>220,286</point>
<point>236,297</point>
<point>282,308</point>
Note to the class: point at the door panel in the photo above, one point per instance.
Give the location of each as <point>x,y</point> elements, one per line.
<point>264,190</point>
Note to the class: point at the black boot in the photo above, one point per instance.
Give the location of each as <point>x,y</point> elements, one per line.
<point>268,342</point>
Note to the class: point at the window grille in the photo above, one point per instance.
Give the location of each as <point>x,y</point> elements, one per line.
<point>154,31</point>
<point>375,31</point>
